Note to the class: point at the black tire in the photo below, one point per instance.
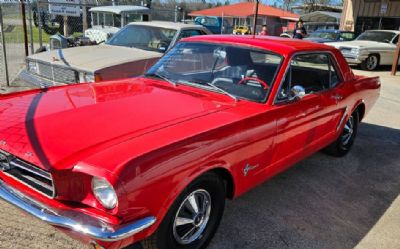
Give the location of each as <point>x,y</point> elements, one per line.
<point>343,143</point>
<point>166,236</point>
<point>371,63</point>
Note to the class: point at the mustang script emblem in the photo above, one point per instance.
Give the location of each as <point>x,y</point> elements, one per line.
<point>248,167</point>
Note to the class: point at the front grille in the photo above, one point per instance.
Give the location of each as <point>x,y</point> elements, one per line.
<point>56,73</point>
<point>27,174</point>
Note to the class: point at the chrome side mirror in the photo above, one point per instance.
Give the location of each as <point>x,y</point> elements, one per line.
<point>296,93</point>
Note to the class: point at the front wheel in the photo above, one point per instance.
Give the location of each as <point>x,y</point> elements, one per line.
<point>345,141</point>
<point>194,217</point>
<point>371,63</point>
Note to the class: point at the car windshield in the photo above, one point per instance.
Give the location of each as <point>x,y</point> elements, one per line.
<point>378,36</point>
<point>324,35</point>
<point>143,37</point>
<point>240,72</point>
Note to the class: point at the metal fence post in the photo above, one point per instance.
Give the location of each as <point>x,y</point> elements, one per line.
<point>3,41</point>
<point>30,25</point>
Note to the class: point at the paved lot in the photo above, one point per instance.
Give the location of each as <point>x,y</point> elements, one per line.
<point>322,202</point>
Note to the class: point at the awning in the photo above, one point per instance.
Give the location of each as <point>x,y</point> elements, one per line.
<point>321,16</point>
<point>294,19</point>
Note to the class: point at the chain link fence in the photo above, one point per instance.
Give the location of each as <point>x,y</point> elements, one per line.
<point>12,39</point>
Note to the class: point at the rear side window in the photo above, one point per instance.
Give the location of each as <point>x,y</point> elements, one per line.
<point>315,72</point>
<point>346,36</point>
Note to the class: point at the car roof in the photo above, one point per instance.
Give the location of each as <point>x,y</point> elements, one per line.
<point>120,9</point>
<point>168,25</point>
<point>332,31</point>
<point>283,46</point>
<point>384,30</point>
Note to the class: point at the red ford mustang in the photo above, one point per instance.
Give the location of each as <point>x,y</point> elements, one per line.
<point>152,159</point>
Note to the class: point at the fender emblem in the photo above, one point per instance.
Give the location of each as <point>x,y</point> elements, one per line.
<point>3,142</point>
<point>248,167</point>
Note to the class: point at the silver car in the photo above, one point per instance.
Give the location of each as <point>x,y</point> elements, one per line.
<point>130,52</point>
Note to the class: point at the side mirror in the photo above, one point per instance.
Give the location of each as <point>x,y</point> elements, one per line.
<point>163,47</point>
<point>296,93</point>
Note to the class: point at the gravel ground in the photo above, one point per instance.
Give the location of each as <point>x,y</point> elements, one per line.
<point>322,202</point>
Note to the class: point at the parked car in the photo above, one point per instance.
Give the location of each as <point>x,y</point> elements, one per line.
<point>129,53</point>
<point>217,25</point>
<point>152,159</point>
<point>108,20</point>
<point>370,49</point>
<point>242,30</point>
<point>324,36</point>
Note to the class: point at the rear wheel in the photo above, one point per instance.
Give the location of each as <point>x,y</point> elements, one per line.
<point>345,141</point>
<point>371,63</point>
<point>194,217</point>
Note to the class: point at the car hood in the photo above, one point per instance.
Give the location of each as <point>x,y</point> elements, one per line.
<point>59,127</point>
<point>360,44</point>
<point>93,58</point>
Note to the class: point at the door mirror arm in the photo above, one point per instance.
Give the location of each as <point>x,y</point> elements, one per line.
<point>296,93</point>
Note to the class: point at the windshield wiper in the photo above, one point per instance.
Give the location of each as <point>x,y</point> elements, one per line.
<point>218,89</point>
<point>222,91</point>
<point>156,75</point>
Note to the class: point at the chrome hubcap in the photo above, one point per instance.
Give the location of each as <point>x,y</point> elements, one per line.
<point>372,62</point>
<point>348,131</point>
<point>192,217</point>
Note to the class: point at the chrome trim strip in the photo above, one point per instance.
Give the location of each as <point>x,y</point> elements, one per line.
<point>76,221</point>
<point>342,119</point>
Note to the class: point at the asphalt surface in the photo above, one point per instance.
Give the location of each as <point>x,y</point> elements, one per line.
<point>322,202</point>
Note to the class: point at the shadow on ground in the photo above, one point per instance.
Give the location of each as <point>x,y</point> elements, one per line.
<point>323,202</point>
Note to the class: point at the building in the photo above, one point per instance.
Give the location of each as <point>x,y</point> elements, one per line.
<point>361,15</point>
<point>277,20</point>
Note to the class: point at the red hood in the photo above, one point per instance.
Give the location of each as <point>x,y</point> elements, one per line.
<point>57,127</point>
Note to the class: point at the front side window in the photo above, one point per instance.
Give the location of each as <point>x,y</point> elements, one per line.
<point>315,72</point>
<point>143,37</point>
<point>239,71</point>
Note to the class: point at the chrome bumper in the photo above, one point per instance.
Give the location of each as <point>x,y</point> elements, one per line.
<point>76,221</point>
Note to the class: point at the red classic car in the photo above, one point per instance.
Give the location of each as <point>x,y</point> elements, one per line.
<point>151,159</point>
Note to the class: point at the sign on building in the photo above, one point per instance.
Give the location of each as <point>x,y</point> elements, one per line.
<point>65,7</point>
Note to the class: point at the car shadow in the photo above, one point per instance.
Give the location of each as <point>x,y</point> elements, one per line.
<point>378,69</point>
<point>322,202</point>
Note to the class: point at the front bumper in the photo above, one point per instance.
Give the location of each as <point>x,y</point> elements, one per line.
<point>78,222</point>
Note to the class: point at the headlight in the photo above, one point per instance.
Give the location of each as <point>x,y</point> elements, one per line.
<point>354,51</point>
<point>104,193</point>
<point>32,66</point>
<point>86,77</point>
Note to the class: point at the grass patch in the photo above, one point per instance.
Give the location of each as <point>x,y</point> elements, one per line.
<point>17,35</point>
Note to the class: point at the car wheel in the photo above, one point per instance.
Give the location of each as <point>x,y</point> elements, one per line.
<point>371,63</point>
<point>194,217</point>
<point>345,141</point>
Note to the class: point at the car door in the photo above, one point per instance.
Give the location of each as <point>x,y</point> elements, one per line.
<point>302,124</point>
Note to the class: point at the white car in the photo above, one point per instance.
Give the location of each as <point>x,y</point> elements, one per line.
<point>370,49</point>
<point>108,20</point>
<point>129,53</point>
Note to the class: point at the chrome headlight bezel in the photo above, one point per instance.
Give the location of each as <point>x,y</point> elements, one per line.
<point>355,51</point>
<point>104,193</point>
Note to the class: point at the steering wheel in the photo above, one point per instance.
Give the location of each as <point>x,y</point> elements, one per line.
<point>263,83</point>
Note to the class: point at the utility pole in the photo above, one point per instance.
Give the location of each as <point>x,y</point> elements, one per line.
<point>396,59</point>
<point>255,17</point>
